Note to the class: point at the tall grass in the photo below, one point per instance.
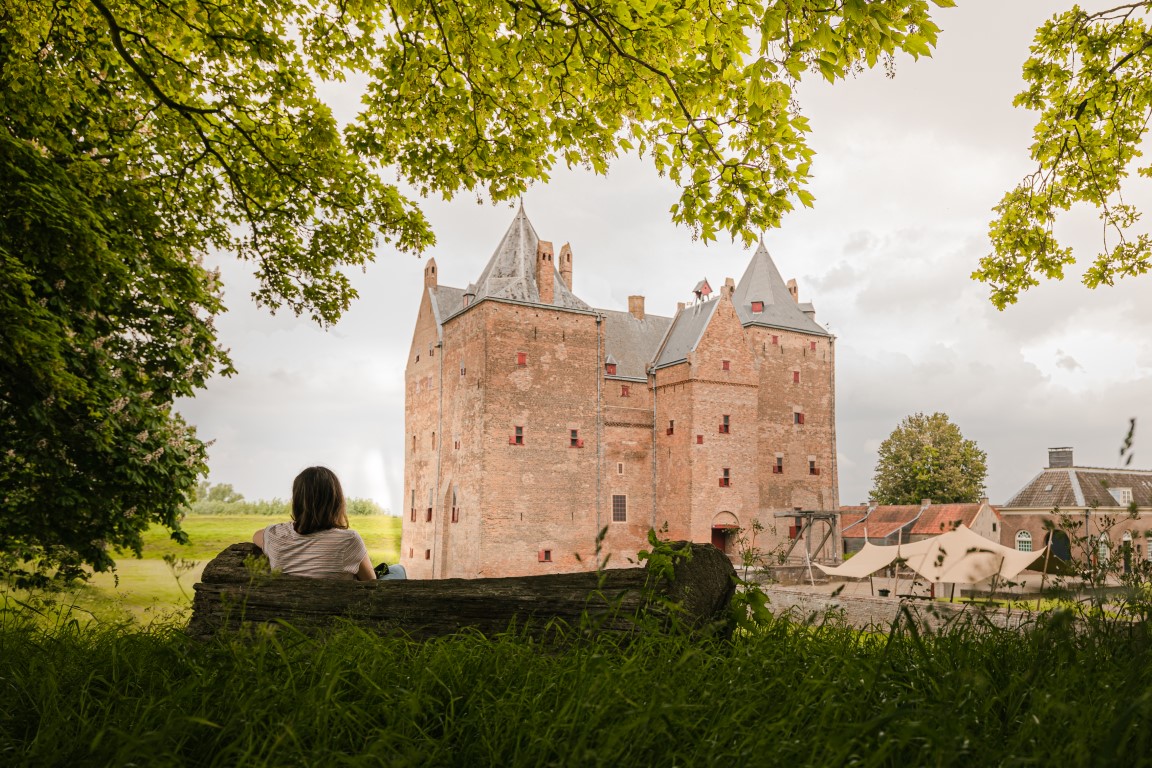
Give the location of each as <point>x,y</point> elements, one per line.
<point>789,694</point>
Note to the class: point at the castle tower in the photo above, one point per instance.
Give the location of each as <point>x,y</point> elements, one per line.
<point>534,421</point>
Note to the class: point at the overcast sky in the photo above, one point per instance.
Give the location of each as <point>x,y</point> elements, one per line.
<point>906,173</point>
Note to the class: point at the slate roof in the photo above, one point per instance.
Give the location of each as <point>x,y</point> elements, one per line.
<point>687,329</point>
<point>1082,487</point>
<point>632,343</point>
<point>511,272</point>
<point>762,282</point>
<point>446,301</point>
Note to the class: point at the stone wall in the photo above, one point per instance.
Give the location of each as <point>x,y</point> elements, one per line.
<point>881,612</point>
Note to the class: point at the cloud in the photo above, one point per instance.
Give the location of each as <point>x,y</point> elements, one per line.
<point>1067,362</point>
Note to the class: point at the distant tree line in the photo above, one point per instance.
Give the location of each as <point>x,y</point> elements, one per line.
<point>223,499</point>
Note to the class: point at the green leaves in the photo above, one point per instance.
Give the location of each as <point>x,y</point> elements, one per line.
<point>926,457</point>
<point>499,87</point>
<point>136,137</point>
<point>1090,78</point>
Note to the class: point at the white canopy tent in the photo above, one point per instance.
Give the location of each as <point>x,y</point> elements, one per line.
<point>960,556</point>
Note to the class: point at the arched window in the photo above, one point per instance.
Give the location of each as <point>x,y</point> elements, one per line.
<point>1023,541</point>
<point>1104,549</point>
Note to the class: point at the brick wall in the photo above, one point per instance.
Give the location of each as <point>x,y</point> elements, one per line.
<point>496,507</point>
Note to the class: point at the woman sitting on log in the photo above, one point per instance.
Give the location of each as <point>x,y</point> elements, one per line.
<point>317,543</point>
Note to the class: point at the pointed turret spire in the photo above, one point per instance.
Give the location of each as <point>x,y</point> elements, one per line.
<point>762,297</point>
<point>511,273</point>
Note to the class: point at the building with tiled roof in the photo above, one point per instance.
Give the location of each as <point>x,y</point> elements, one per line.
<point>1112,505</point>
<point>885,524</point>
<point>534,421</point>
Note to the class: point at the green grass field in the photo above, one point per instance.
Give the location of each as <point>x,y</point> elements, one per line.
<point>147,588</point>
<point>1056,693</point>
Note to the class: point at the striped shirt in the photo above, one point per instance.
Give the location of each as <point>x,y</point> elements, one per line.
<point>332,554</point>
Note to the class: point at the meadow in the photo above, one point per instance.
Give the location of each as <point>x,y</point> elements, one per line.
<point>84,685</point>
<point>150,587</point>
<point>787,693</point>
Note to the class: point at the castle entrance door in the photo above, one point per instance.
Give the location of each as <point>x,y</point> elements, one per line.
<point>724,529</point>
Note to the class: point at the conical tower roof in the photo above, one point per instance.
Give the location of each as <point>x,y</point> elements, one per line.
<point>762,282</point>
<point>511,272</point>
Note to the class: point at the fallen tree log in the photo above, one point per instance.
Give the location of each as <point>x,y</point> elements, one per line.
<point>236,593</point>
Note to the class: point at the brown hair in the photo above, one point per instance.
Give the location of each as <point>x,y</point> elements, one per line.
<point>317,501</point>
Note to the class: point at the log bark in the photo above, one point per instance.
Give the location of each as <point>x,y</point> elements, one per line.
<point>234,595</point>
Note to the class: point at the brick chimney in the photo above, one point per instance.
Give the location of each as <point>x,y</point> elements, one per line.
<point>566,265</point>
<point>1060,457</point>
<point>794,290</point>
<point>728,289</point>
<point>545,272</point>
<point>430,274</point>
<point>635,306</point>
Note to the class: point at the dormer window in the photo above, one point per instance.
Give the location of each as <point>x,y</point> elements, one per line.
<point>757,307</point>
<point>610,369</point>
<point>1123,496</point>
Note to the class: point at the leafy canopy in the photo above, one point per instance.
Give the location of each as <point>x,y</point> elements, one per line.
<point>926,457</point>
<point>1090,78</point>
<point>136,137</point>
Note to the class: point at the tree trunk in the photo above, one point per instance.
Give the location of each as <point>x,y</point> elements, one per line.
<point>238,591</point>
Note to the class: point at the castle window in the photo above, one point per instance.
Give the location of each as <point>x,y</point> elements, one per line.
<point>778,467</point>
<point>463,369</point>
<point>726,365</point>
<point>795,377</point>
<point>433,441</point>
<point>521,358</point>
<point>427,554</point>
<point>726,478</point>
<point>545,555</point>
<point>757,307</point>
<point>413,443</point>
<point>410,553</point>
<point>417,358</point>
<point>812,468</point>
<point>671,426</point>
<point>624,391</point>
<point>517,438</point>
<point>699,439</point>
<point>798,417</point>
<point>610,369</point>
<point>725,426</point>
<point>455,509</point>
<point>574,440</point>
<point>812,346</point>
<point>1023,541</point>
<point>775,339</point>
<point>431,351</point>
<point>620,509</point>
<point>619,467</point>
<point>413,507</point>
<point>428,515</point>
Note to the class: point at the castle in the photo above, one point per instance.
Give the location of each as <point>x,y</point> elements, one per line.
<point>534,421</point>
